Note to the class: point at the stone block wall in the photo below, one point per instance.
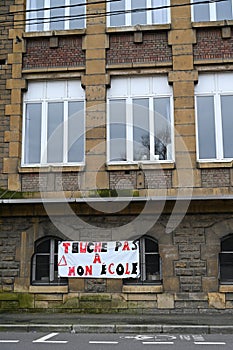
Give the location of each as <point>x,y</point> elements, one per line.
<point>189,266</point>
<point>5,73</point>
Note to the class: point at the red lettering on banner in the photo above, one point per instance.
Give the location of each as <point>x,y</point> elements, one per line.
<point>127,272</point>
<point>88,270</point>
<point>98,247</point>
<point>66,245</point>
<point>126,246</point>
<point>97,259</point>
<point>109,269</point>
<point>83,247</point>
<point>62,261</point>
<point>71,271</point>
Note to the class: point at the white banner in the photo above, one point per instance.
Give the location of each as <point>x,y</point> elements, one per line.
<point>98,259</point>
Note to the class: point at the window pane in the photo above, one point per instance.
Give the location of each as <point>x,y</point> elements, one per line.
<point>152,267</point>
<point>55,133</point>
<point>43,247</point>
<point>32,133</point>
<point>57,15</point>
<point>224,10</point>
<point>138,17</point>
<point>117,7</point>
<point>206,126</point>
<point>227,125</point>
<point>161,15</point>
<point>226,267</point>
<point>35,22</point>
<point>151,246</point>
<point>227,244</point>
<point>76,132</point>
<point>77,14</point>
<point>201,11</point>
<point>141,136</point>
<point>162,128</point>
<point>42,268</point>
<point>117,130</point>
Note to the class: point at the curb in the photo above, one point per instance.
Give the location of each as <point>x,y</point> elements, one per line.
<point>118,328</point>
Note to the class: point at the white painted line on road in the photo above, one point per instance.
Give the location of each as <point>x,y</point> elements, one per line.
<point>49,336</point>
<point>9,341</point>
<point>208,343</point>
<point>157,342</point>
<point>102,342</point>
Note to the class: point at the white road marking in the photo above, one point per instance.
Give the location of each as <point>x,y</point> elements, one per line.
<point>157,342</point>
<point>103,342</point>
<point>208,343</point>
<point>48,336</point>
<point>9,341</point>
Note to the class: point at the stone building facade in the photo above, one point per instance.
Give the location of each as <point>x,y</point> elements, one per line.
<point>78,85</point>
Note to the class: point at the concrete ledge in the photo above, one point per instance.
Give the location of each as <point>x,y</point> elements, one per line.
<point>221,329</point>
<point>140,328</point>
<point>186,329</point>
<point>94,328</point>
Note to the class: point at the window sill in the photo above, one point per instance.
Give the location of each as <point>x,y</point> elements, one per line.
<point>138,27</point>
<point>226,288</point>
<point>51,169</point>
<point>50,33</point>
<point>141,166</point>
<point>214,164</point>
<point>143,289</point>
<point>48,289</point>
<point>212,24</point>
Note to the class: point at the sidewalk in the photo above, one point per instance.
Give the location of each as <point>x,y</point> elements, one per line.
<point>117,323</point>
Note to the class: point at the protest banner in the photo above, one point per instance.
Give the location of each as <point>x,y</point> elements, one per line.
<point>118,259</point>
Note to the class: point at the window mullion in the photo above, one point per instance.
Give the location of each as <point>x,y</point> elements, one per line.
<point>44,128</point>
<point>51,260</point>
<point>128,15</point>
<point>65,131</point>
<point>67,13</point>
<point>47,14</point>
<point>151,128</point>
<point>129,129</point>
<point>213,14</point>
<point>149,13</point>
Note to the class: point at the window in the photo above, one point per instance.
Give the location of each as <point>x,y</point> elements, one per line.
<point>214,103</point>
<point>45,264</point>
<point>53,130</point>
<point>212,11</point>
<point>140,120</point>
<point>150,264</point>
<point>133,12</point>
<point>226,260</point>
<point>55,14</point>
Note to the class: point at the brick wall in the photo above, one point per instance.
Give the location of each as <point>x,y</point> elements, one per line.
<point>5,73</point>
<point>158,179</point>
<point>154,48</point>
<point>50,182</point>
<point>211,45</point>
<point>123,179</point>
<point>39,54</point>
<point>215,177</point>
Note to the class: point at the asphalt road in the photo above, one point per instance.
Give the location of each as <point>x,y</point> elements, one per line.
<point>72,341</point>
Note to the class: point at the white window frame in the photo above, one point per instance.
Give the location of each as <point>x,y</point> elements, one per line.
<point>162,90</point>
<point>44,100</point>
<point>149,16</point>
<point>47,17</point>
<point>213,12</point>
<point>209,85</point>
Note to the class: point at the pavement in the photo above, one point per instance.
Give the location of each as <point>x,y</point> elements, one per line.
<point>196,323</point>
